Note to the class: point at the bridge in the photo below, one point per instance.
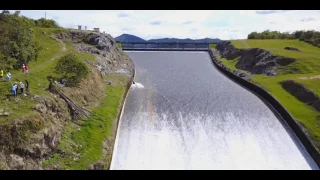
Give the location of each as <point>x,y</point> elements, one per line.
<point>164,46</point>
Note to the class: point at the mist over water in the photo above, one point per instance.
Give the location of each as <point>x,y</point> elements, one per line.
<point>182,113</point>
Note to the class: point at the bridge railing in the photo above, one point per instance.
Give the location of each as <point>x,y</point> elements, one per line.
<point>167,46</point>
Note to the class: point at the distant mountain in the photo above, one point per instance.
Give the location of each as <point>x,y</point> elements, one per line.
<point>129,38</point>
<point>132,38</point>
<point>205,40</point>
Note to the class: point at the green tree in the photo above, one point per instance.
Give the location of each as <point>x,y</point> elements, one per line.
<point>17,44</point>
<point>72,68</point>
<point>46,23</point>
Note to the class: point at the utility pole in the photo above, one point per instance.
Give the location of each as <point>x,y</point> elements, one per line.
<point>45,15</point>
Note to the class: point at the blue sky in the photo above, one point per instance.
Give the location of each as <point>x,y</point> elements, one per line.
<point>195,24</point>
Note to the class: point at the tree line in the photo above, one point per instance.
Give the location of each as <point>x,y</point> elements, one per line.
<point>311,36</point>
<point>17,43</point>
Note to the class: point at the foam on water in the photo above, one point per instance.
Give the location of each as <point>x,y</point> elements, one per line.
<point>137,85</point>
<point>198,143</point>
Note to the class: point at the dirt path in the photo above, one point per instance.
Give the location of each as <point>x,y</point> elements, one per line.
<point>310,77</point>
<point>62,50</point>
<point>245,44</point>
<point>62,46</point>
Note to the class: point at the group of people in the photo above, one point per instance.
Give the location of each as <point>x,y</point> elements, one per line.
<point>15,86</point>
<point>21,86</point>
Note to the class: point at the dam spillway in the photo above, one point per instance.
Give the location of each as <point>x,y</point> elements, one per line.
<point>182,113</point>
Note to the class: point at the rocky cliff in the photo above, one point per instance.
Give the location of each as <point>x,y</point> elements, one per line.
<point>109,58</point>
<point>254,60</point>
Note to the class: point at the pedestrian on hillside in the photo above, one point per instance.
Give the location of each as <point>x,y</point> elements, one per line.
<point>21,87</point>
<point>26,69</point>
<point>27,86</point>
<point>8,76</point>
<point>16,85</point>
<point>13,89</point>
<point>23,68</point>
<point>1,74</point>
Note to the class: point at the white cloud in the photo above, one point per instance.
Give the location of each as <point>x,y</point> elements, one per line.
<point>223,24</point>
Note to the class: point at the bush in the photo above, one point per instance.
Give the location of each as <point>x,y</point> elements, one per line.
<point>46,23</point>
<point>72,69</point>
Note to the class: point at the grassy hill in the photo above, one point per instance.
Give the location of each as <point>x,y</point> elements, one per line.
<point>90,136</point>
<point>307,65</point>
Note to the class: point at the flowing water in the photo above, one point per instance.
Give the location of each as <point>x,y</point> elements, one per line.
<point>182,113</point>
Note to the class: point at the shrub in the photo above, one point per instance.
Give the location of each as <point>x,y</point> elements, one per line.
<point>72,69</point>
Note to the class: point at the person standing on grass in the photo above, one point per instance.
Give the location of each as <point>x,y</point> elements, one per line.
<point>1,74</point>
<point>8,76</point>
<point>14,90</point>
<point>16,85</point>
<point>27,86</point>
<point>23,68</point>
<point>21,87</point>
<point>26,69</point>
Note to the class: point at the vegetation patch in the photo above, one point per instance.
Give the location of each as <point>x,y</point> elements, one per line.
<point>83,145</point>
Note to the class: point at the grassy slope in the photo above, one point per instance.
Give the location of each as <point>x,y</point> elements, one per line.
<point>87,141</point>
<point>90,135</point>
<point>307,64</point>
<point>38,71</point>
<point>119,45</point>
<point>212,46</point>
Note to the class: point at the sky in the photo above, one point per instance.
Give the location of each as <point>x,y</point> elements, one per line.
<point>194,24</point>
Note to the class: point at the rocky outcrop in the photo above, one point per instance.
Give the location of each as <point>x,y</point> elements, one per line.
<point>25,142</point>
<point>227,50</point>
<point>292,49</point>
<point>96,166</point>
<point>302,93</point>
<point>109,58</point>
<point>254,60</point>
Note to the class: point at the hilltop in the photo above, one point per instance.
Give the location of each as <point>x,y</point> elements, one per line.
<point>287,68</point>
<point>129,38</point>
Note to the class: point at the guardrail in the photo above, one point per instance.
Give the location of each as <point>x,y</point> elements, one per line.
<point>164,46</point>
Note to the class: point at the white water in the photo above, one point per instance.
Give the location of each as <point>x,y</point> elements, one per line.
<point>137,85</point>
<point>190,116</point>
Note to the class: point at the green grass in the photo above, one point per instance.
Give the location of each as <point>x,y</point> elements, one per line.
<point>308,60</point>
<point>300,111</point>
<point>38,71</point>
<point>88,141</point>
<point>119,45</point>
<point>229,63</point>
<point>211,46</point>
<point>80,55</point>
<point>312,84</point>
<point>307,64</point>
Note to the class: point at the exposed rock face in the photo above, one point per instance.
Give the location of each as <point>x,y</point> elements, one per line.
<point>292,49</point>
<point>101,41</point>
<point>254,60</point>
<point>109,58</point>
<point>227,50</point>
<point>96,166</point>
<point>302,93</point>
<point>24,142</point>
